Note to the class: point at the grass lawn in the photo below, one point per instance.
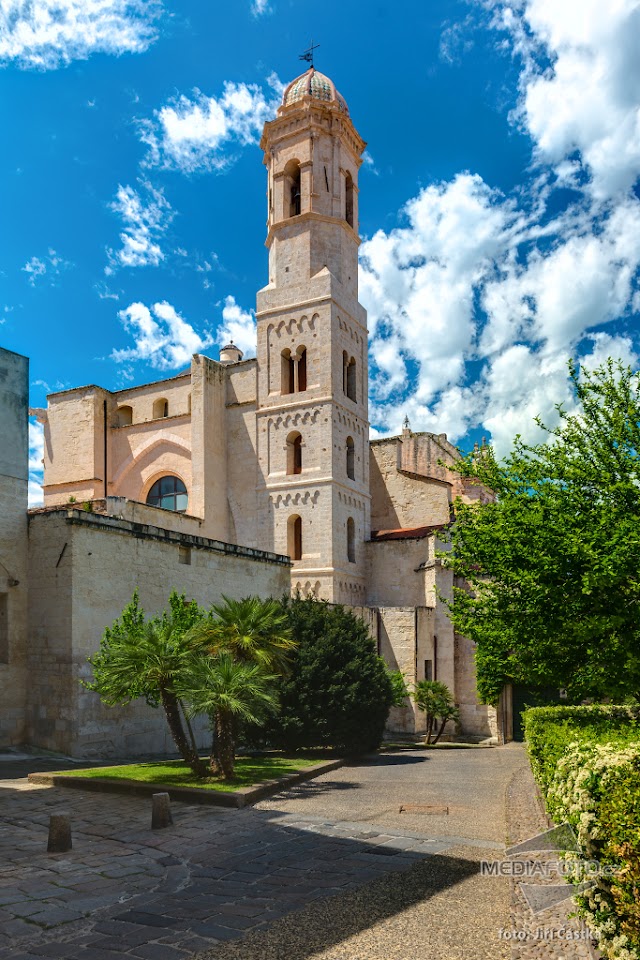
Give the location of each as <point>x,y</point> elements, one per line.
<point>248,772</point>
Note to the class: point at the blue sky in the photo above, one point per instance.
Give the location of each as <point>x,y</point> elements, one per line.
<point>499,206</point>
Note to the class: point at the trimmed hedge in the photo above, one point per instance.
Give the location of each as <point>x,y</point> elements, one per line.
<point>587,763</point>
<point>549,731</point>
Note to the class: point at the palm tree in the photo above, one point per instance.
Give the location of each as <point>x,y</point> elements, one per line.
<point>434,698</point>
<point>252,630</point>
<point>138,659</point>
<point>226,690</point>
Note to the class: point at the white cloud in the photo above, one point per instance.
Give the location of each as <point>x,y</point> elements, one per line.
<point>238,325</point>
<point>105,292</point>
<point>473,278</point>
<point>45,34</point>
<point>370,164</point>
<point>580,86</point>
<point>476,302</point>
<point>162,338</point>
<point>36,453</point>
<point>196,134</point>
<point>260,7</point>
<point>51,266</point>
<point>146,220</point>
<point>35,268</point>
<point>418,281</point>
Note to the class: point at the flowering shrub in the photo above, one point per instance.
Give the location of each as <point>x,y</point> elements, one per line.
<point>596,788</point>
<point>549,731</point>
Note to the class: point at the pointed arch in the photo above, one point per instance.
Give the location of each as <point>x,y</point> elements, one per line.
<point>142,452</point>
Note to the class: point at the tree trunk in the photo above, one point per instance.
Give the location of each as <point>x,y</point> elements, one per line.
<point>214,765</point>
<point>172,713</point>
<point>225,744</point>
<point>441,730</point>
<point>194,745</point>
<point>430,719</point>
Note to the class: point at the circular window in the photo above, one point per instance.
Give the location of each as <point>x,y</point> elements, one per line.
<point>169,493</point>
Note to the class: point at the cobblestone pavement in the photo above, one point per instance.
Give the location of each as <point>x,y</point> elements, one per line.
<point>217,874</point>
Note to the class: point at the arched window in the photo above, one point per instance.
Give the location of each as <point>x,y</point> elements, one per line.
<point>125,416</point>
<point>348,194</point>
<point>294,453</point>
<point>293,376</point>
<point>302,369</point>
<point>160,408</point>
<point>287,376</point>
<point>169,493</point>
<point>189,403</point>
<point>351,540</point>
<point>292,189</point>
<point>351,459</point>
<point>294,537</point>
<point>349,376</point>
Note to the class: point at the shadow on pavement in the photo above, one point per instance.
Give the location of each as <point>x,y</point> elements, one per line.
<point>390,760</point>
<point>329,922</point>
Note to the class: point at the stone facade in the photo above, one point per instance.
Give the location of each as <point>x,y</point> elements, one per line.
<point>84,568</point>
<point>14,475</point>
<point>274,453</point>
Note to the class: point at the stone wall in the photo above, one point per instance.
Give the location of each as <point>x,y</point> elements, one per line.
<point>14,457</point>
<point>401,501</point>
<point>84,569</point>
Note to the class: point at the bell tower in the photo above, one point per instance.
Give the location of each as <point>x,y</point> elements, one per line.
<point>312,411</point>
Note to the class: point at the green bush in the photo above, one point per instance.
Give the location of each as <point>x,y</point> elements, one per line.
<point>550,730</point>
<point>587,762</point>
<point>338,692</point>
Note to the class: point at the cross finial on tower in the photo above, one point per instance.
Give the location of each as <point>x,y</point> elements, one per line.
<point>307,56</point>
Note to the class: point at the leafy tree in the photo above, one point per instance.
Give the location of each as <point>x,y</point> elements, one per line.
<point>399,688</point>
<point>338,692</point>
<point>550,571</point>
<point>434,698</point>
<point>145,659</point>
<point>227,691</point>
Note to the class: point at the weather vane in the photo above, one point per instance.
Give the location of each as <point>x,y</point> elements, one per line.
<point>308,54</point>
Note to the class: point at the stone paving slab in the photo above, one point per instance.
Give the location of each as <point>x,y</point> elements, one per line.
<point>216,874</point>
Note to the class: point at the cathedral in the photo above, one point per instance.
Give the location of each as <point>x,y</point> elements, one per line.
<point>268,459</point>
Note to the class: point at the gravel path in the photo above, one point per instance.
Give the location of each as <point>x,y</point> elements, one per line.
<point>552,934</point>
<point>440,908</point>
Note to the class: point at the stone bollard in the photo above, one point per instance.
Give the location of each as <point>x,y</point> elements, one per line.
<point>59,833</point>
<point>160,811</point>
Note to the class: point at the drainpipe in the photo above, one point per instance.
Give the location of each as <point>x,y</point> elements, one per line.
<point>106,439</point>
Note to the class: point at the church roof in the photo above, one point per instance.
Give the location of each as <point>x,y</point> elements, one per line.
<point>315,85</point>
<point>407,533</point>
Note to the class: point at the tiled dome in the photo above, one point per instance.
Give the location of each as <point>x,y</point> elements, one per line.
<point>314,84</point>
